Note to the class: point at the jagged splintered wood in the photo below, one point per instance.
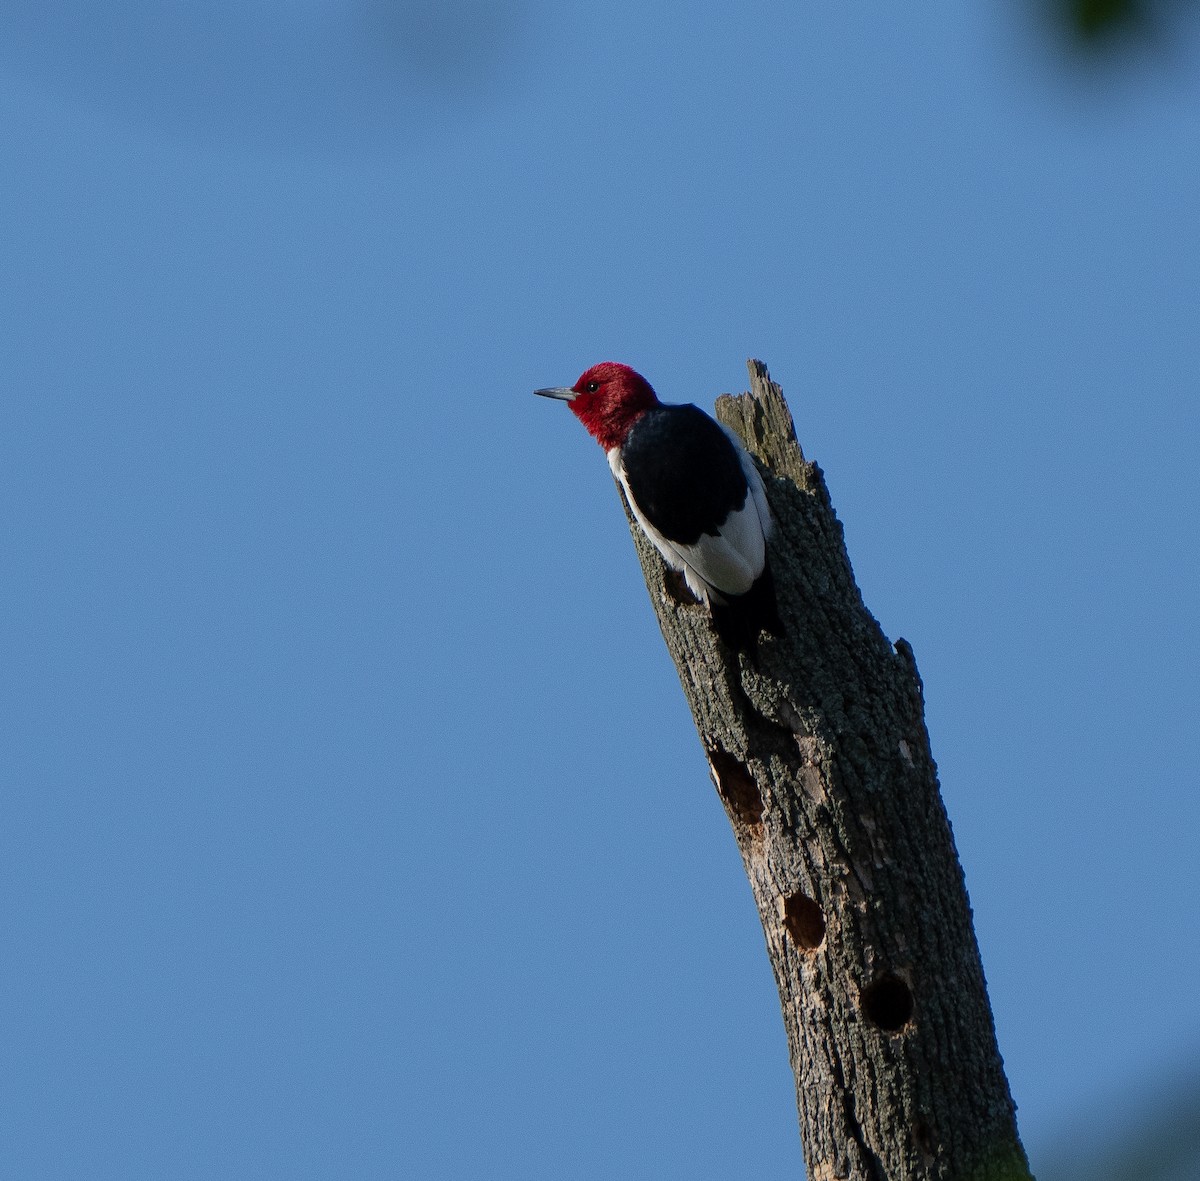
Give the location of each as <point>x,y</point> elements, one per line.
<point>818,748</point>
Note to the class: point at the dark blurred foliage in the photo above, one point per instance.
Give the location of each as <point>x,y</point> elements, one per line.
<point>1099,28</point>
<point>1092,19</point>
<point>1152,1136</point>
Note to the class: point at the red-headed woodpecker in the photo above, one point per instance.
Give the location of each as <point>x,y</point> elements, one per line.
<point>691,487</point>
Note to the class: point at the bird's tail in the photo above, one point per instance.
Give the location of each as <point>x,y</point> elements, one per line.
<point>739,620</point>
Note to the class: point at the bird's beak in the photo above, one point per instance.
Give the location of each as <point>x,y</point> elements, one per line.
<point>562,393</point>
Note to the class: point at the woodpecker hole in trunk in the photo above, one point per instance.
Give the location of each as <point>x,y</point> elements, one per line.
<point>804,921</point>
<point>887,1002</point>
<point>743,801</point>
<point>923,1139</point>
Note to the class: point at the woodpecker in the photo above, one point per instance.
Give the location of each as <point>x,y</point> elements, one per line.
<point>692,488</point>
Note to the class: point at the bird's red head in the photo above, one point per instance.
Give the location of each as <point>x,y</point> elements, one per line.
<point>608,399</point>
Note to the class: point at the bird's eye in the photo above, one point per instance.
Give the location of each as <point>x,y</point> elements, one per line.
<point>591,387</point>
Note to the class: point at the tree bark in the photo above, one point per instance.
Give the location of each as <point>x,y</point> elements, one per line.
<point>817,745</point>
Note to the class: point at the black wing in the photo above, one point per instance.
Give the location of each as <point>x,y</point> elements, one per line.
<point>683,471</point>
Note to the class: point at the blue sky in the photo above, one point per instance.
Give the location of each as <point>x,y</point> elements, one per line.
<point>354,824</point>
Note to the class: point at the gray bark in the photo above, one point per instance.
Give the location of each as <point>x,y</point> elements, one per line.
<point>818,748</point>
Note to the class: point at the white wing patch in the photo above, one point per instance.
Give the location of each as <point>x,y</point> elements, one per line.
<point>729,563</point>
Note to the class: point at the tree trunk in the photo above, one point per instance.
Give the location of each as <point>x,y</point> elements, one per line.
<point>817,745</point>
